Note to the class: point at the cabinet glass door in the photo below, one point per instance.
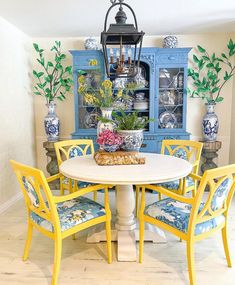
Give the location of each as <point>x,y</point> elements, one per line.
<point>88,114</point>
<point>170,99</point>
<point>139,100</point>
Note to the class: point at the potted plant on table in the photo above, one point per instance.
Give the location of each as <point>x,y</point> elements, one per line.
<point>130,127</point>
<point>207,84</point>
<point>53,82</point>
<point>109,141</point>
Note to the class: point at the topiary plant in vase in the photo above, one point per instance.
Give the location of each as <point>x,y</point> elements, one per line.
<point>207,83</point>
<point>53,82</point>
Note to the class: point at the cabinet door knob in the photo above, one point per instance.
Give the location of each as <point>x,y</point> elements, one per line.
<point>171,57</point>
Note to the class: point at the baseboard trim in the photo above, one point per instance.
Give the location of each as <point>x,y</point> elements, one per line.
<point>5,206</point>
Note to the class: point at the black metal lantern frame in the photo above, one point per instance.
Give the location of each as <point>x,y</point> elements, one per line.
<point>123,64</point>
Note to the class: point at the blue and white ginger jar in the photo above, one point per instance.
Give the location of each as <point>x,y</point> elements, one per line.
<point>170,42</point>
<point>132,139</point>
<point>52,123</point>
<point>210,124</point>
<point>91,44</point>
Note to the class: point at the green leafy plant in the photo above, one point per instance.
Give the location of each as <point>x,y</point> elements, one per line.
<point>54,80</point>
<point>205,74</point>
<point>130,121</point>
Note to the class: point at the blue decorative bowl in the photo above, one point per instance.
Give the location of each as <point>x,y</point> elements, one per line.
<point>110,148</point>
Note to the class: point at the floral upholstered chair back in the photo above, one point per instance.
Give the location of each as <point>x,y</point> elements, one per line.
<point>36,192</point>
<point>72,148</point>
<point>185,149</point>
<point>215,202</point>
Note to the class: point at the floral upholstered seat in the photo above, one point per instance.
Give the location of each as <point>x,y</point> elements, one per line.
<point>177,214</point>
<point>81,184</point>
<point>72,213</point>
<point>174,185</point>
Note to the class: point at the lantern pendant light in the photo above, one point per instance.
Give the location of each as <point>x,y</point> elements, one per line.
<point>124,41</point>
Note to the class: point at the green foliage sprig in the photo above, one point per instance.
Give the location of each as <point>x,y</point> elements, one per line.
<point>55,80</point>
<point>130,121</point>
<point>205,74</point>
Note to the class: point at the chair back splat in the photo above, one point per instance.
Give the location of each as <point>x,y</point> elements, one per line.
<point>72,148</point>
<point>185,149</point>
<point>220,183</point>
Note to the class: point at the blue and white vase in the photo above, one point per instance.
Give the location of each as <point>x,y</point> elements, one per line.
<point>210,124</point>
<point>132,139</point>
<point>111,148</point>
<point>52,123</point>
<point>91,44</point>
<point>109,124</point>
<point>170,42</point>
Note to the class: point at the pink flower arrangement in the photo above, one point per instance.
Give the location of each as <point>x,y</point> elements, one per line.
<point>108,137</point>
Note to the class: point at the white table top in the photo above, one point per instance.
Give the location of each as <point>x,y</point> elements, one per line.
<point>158,168</point>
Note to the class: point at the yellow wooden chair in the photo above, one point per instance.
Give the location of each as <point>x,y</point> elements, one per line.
<point>185,149</point>
<point>69,149</point>
<point>58,217</point>
<point>191,219</point>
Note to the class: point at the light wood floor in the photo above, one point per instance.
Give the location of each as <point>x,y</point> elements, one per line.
<point>85,264</point>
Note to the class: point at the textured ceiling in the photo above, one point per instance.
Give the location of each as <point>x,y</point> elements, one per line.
<point>74,18</point>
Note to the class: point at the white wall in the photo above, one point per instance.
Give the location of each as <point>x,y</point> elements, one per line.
<point>212,42</point>
<point>16,106</point>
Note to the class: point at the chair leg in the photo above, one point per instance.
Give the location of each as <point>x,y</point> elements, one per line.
<point>159,196</point>
<point>95,196</point>
<point>194,191</point>
<point>191,265</point>
<point>141,242</point>
<point>28,241</point>
<point>57,260</point>
<point>61,189</point>
<point>226,247</point>
<point>109,241</point>
<point>137,192</point>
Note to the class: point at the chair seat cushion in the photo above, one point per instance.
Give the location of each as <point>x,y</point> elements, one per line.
<point>81,184</point>
<point>72,213</point>
<point>177,214</point>
<point>174,185</point>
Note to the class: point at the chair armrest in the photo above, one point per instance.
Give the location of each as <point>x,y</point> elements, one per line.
<point>54,177</point>
<point>169,194</point>
<point>79,192</point>
<point>195,176</point>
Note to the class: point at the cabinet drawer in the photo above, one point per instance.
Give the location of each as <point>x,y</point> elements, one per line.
<point>176,57</point>
<point>173,137</point>
<point>85,61</point>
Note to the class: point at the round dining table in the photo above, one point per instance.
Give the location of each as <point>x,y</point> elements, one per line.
<point>158,168</point>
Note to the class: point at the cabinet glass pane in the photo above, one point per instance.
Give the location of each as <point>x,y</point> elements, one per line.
<point>170,104</point>
<point>139,100</point>
<point>88,114</point>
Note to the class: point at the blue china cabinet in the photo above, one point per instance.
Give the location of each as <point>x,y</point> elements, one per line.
<point>161,96</point>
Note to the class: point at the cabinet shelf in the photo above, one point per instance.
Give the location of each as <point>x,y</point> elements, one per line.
<point>170,105</point>
<point>171,88</point>
<point>136,90</point>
